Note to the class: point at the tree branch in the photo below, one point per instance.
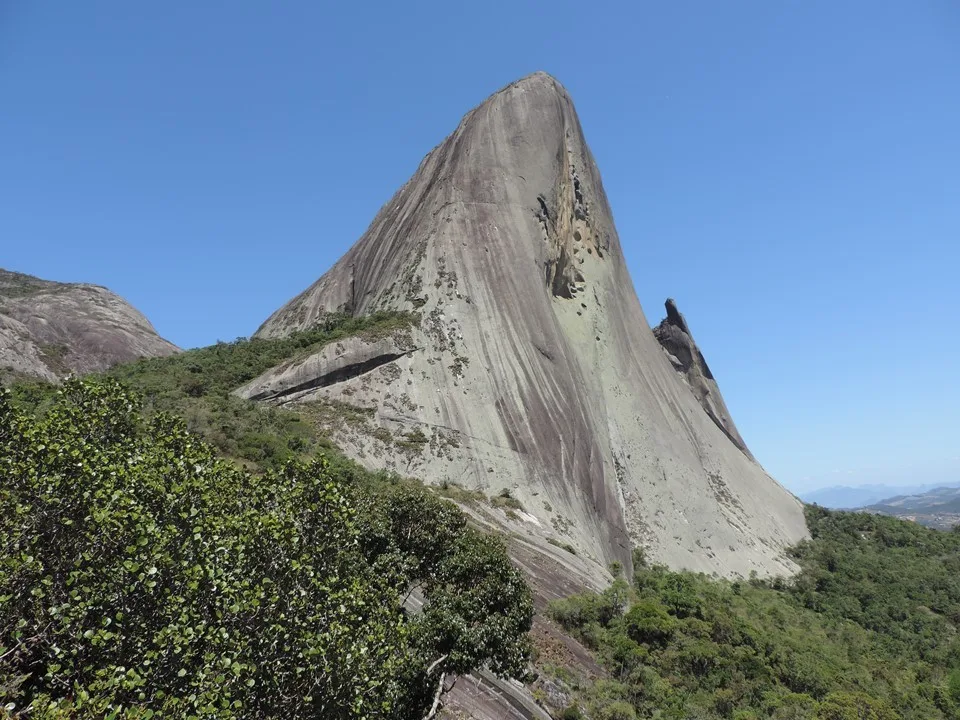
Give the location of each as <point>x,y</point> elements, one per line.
<point>436,698</point>
<point>433,665</point>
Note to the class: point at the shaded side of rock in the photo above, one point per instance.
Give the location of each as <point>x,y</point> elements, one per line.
<point>333,364</point>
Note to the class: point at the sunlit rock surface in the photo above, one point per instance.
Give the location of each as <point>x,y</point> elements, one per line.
<point>533,370</point>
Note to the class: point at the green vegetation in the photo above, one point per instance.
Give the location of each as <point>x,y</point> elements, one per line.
<point>234,564</point>
<point>413,441</point>
<point>142,576</point>
<point>14,284</point>
<point>867,630</point>
<point>196,386</point>
<point>565,546</point>
<point>9,376</point>
<point>222,368</point>
<point>458,493</point>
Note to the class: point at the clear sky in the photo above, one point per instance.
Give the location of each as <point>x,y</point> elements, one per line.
<point>789,171</point>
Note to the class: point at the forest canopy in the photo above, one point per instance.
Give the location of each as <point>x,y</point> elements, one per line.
<point>867,630</point>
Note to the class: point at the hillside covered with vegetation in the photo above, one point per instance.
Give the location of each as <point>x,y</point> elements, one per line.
<point>234,564</point>
<point>196,385</point>
<point>866,631</point>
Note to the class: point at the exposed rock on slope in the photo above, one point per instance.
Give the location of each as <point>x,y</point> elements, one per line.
<point>50,329</point>
<point>677,341</point>
<point>533,369</point>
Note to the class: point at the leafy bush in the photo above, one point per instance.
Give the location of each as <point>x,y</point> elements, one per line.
<point>505,498</point>
<point>854,706</point>
<point>954,686</point>
<point>140,575</point>
<point>618,710</point>
<point>222,368</point>
<point>591,608</point>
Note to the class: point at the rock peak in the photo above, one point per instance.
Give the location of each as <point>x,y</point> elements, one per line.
<point>542,79</point>
<point>533,369</point>
<point>539,77</point>
<point>674,317</point>
<point>677,341</point>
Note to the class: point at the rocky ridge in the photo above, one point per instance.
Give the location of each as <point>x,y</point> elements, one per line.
<point>677,342</point>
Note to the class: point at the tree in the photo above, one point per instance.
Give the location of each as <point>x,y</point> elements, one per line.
<point>854,706</point>
<point>472,608</point>
<point>953,686</point>
<point>649,623</point>
<point>141,575</point>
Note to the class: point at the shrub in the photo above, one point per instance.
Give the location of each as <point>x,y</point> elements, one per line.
<point>582,610</point>
<point>618,710</point>
<point>953,686</point>
<point>505,499</point>
<point>854,706</point>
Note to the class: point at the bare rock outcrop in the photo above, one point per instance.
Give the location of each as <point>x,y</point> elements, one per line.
<point>334,364</point>
<point>50,329</point>
<point>677,341</point>
<point>533,369</point>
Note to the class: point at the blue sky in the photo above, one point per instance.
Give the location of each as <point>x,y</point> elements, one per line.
<point>788,171</point>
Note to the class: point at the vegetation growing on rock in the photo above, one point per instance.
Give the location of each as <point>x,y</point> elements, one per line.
<point>197,384</point>
<point>868,629</point>
<point>50,329</point>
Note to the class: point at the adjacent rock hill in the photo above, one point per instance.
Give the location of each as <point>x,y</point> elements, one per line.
<point>533,373</point>
<point>50,329</point>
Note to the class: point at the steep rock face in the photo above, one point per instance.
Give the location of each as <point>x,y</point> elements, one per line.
<point>534,369</point>
<point>50,329</point>
<point>677,341</point>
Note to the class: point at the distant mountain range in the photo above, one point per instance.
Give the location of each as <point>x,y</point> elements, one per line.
<point>844,497</point>
<point>938,508</point>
